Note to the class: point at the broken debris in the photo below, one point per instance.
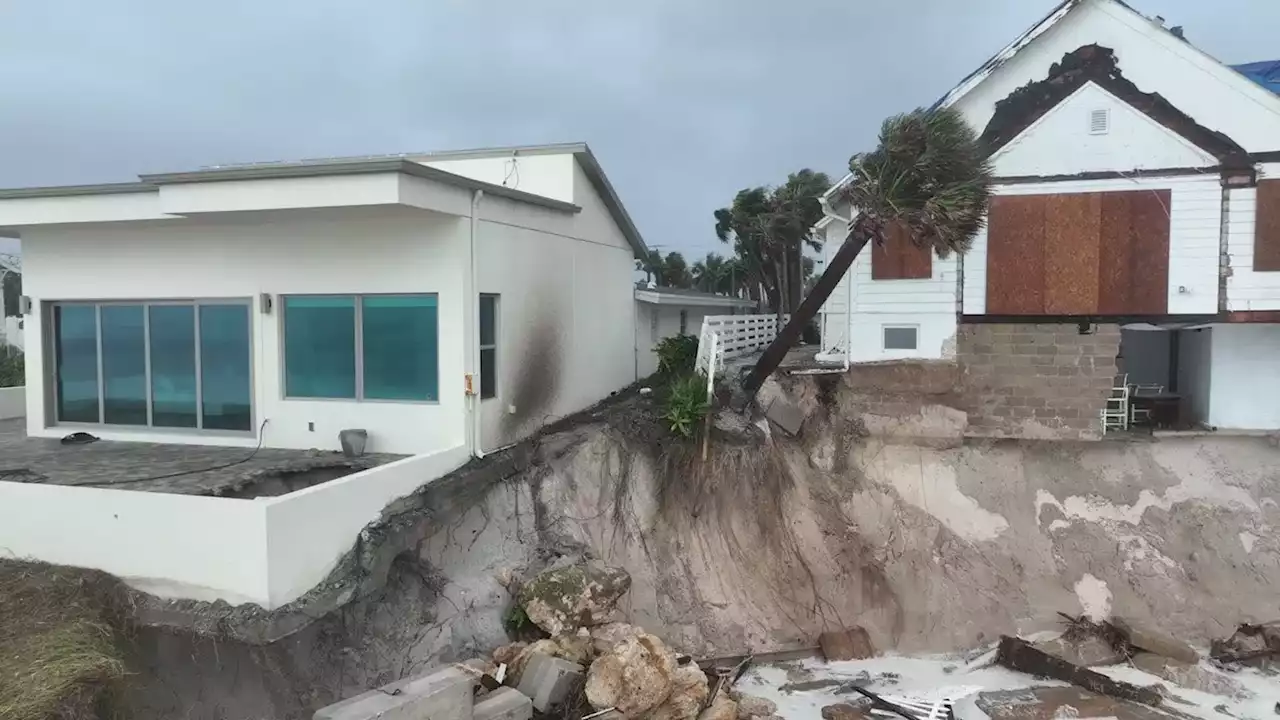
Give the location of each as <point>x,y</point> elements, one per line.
<point>1020,655</point>
<point>851,644</point>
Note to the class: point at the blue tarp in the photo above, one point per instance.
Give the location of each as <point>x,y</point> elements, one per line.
<point>1266,73</point>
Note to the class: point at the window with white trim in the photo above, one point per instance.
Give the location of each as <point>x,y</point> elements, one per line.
<point>488,346</point>
<point>361,347</point>
<point>901,337</point>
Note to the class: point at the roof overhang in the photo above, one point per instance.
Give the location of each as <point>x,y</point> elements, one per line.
<point>255,188</point>
<point>657,297</point>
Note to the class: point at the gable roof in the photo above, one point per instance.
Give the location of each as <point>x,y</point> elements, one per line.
<point>1096,64</point>
<point>586,159</point>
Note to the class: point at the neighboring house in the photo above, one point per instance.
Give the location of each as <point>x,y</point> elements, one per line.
<point>10,303</point>
<point>666,312</point>
<point>434,301</point>
<point>1138,184</point>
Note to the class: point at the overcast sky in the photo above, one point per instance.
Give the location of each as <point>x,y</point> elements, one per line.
<point>683,101</point>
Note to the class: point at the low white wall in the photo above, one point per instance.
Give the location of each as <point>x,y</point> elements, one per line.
<point>13,402</point>
<point>173,546</point>
<point>1244,393</point>
<point>267,551</point>
<point>309,530</point>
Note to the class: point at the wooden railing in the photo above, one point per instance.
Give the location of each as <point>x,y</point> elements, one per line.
<point>738,335</point>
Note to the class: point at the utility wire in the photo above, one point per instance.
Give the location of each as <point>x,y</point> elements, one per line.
<point>180,473</point>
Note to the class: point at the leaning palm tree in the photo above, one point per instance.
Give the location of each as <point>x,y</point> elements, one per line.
<point>930,175</point>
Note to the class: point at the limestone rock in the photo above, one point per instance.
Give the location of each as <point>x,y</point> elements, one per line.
<point>508,653</point>
<point>635,677</point>
<point>608,636</point>
<point>575,648</point>
<point>750,706</point>
<point>688,692</point>
<point>845,711</point>
<point>562,599</point>
<point>851,644</point>
<point>722,709</point>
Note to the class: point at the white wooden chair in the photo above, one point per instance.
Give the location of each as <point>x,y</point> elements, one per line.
<point>930,705</point>
<point>1115,415</point>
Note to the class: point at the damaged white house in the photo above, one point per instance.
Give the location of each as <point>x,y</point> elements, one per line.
<point>1137,185</point>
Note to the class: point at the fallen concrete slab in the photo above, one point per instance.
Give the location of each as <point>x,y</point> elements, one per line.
<point>1053,703</point>
<point>504,704</point>
<point>1018,654</point>
<point>440,695</point>
<point>547,681</point>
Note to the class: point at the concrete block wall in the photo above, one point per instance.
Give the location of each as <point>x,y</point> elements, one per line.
<point>1036,381</point>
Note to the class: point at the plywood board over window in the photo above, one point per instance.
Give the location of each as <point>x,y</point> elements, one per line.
<point>1079,254</point>
<point>898,258</point>
<point>1266,243</point>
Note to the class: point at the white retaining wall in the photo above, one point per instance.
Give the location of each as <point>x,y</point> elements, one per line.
<point>268,551</point>
<point>13,402</point>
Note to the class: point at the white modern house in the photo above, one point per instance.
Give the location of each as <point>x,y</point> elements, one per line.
<point>433,301</point>
<point>667,312</point>
<point>1137,183</point>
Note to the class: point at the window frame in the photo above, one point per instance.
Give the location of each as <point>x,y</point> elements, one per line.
<point>884,329</point>
<point>50,365</point>
<point>357,347</point>
<point>481,346</point>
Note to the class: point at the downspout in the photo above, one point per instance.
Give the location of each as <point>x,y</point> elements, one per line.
<point>473,331</point>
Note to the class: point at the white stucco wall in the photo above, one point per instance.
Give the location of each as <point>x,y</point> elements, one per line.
<point>1246,289</point>
<point>386,250</point>
<point>655,323</point>
<point>1194,226</point>
<point>1154,60</point>
<point>1061,142</point>
<point>172,546</point>
<point>1245,394</point>
<point>13,402</point>
<point>547,175</point>
<point>566,326</point>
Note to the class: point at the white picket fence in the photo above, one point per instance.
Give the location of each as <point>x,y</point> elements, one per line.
<point>734,336</point>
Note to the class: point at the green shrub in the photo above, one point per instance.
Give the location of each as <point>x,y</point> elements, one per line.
<point>516,620</point>
<point>686,404</point>
<point>12,367</point>
<point>677,355</point>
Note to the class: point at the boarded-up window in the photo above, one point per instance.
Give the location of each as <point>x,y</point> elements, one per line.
<point>1079,254</point>
<point>897,258</point>
<point>1266,242</point>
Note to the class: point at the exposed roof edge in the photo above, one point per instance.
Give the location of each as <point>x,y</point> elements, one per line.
<point>1094,63</point>
<point>1135,174</point>
<point>668,296</point>
<point>74,190</point>
<point>278,171</point>
<point>604,189</point>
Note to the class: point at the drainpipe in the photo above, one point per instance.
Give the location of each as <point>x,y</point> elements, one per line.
<point>473,331</point>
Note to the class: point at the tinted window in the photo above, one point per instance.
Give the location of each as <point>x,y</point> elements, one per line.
<point>399,333</point>
<point>320,347</point>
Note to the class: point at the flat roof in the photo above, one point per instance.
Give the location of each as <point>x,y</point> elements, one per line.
<point>680,296</point>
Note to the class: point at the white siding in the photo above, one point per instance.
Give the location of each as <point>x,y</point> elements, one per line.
<point>347,251</point>
<point>1246,289</point>
<point>1195,228</point>
<point>1154,60</point>
<point>1061,143</point>
<point>1245,394</point>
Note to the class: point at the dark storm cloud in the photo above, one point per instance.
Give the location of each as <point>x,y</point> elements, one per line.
<point>685,101</point>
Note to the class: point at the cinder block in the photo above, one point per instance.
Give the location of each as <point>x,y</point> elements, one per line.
<point>440,695</point>
<point>548,680</point>
<point>504,704</point>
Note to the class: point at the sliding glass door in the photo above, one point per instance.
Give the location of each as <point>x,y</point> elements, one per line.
<point>154,364</point>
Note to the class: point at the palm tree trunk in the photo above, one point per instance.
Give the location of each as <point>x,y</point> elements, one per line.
<point>836,269</point>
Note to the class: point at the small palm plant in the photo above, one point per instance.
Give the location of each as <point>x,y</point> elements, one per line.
<point>930,175</point>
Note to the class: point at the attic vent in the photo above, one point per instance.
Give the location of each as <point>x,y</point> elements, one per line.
<point>1099,122</point>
